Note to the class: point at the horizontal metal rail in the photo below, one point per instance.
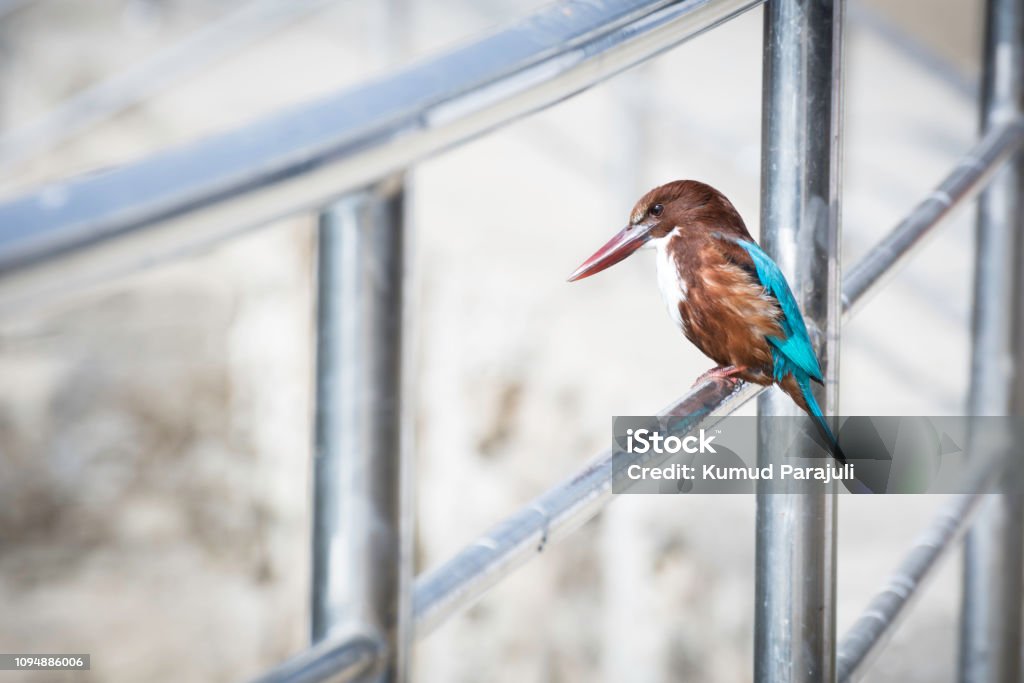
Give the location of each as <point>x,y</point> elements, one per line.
<point>301,159</point>
<point>455,584</point>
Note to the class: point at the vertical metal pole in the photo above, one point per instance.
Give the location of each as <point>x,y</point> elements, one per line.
<point>362,569</point>
<point>800,177</point>
<point>990,627</point>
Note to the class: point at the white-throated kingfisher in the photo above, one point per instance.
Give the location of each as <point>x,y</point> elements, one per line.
<point>722,290</point>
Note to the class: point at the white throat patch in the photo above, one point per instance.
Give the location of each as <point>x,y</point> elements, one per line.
<point>671,282</point>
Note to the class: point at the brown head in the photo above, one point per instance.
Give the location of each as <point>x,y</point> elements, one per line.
<point>689,205</point>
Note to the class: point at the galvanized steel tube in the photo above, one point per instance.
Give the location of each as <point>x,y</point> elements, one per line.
<point>876,623</point>
<point>362,559</point>
<point>967,178</point>
<point>869,633</point>
<point>336,660</point>
<point>794,619</point>
<point>67,234</point>
<point>990,627</point>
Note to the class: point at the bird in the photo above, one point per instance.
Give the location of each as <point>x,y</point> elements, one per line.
<point>728,297</point>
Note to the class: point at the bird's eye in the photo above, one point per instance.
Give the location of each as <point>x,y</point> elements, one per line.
<point>656,210</point>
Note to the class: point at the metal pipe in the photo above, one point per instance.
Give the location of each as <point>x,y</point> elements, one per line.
<point>550,517</point>
<point>301,159</point>
<point>794,618</point>
<point>878,621</point>
<point>990,626</point>
<point>464,578</point>
<point>967,178</point>
<point>362,552</point>
<point>338,660</point>
<point>866,637</point>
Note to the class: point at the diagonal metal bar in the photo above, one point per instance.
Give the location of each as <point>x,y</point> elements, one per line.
<point>457,583</point>
<point>552,516</point>
<point>871,630</point>
<point>84,229</point>
<point>966,179</point>
<point>337,660</point>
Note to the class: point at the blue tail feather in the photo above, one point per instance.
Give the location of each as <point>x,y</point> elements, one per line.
<point>804,382</point>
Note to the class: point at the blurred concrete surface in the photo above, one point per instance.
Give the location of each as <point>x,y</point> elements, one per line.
<point>155,432</point>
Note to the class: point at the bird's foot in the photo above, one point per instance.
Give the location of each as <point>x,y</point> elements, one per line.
<point>726,372</point>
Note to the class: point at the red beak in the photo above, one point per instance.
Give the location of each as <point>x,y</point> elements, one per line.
<point>628,240</point>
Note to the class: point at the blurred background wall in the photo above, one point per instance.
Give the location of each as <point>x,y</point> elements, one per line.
<point>155,431</point>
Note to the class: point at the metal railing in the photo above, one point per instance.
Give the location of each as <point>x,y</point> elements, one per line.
<point>352,145</point>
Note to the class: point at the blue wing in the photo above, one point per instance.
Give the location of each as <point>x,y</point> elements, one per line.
<point>793,349</point>
<point>792,353</point>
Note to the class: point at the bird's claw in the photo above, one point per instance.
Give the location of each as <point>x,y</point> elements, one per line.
<point>726,373</point>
